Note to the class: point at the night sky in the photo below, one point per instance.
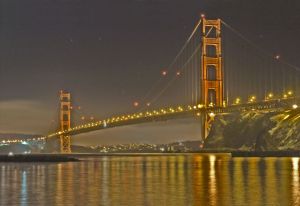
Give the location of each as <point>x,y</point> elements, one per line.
<point>109,53</point>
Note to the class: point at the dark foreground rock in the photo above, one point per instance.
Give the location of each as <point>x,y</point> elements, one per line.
<point>256,131</point>
<point>37,158</point>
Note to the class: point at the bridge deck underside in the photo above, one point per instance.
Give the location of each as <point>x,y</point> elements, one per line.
<point>190,111</point>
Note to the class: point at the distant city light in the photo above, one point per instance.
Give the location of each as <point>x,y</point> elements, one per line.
<point>178,73</point>
<point>295,106</point>
<point>277,56</point>
<point>148,104</point>
<point>212,114</point>
<point>136,104</point>
<point>200,106</point>
<point>270,95</point>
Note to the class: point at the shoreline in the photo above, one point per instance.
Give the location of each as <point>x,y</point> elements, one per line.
<point>19,158</point>
<point>75,157</point>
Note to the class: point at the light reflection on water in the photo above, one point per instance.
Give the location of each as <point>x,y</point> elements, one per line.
<point>153,180</point>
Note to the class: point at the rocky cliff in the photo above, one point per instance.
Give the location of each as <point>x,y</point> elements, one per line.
<point>259,131</point>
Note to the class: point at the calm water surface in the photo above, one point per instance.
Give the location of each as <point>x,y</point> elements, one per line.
<point>153,180</point>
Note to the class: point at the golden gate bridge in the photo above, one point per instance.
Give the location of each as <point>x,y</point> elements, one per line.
<point>218,70</point>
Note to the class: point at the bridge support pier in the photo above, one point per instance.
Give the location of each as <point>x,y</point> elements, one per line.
<point>206,124</point>
<point>65,144</point>
<point>65,121</point>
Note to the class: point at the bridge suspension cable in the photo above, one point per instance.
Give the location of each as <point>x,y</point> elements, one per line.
<point>250,69</point>
<point>150,95</point>
<point>188,64</point>
<point>258,47</point>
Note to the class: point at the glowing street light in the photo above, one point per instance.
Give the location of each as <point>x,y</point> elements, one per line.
<point>290,93</point>
<point>212,115</point>
<point>237,100</point>
<point>200,106</point>
<point>270,95</point>
<point>252,99</point>
<point>295,106</point>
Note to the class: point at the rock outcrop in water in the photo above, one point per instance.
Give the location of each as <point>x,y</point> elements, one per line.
<point>256,131</point>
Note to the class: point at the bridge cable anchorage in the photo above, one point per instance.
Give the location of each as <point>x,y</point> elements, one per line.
<point>174,61</point>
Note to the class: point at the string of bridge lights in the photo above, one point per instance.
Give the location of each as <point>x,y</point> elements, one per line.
<point>158,112</point>
<point>173,110</point>
<point>15,140</point>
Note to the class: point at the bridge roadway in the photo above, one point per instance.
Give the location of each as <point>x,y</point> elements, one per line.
<point>175,113</point>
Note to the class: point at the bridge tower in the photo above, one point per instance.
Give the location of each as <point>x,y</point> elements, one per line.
<point>212,90</point>
<point>65,121</point>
